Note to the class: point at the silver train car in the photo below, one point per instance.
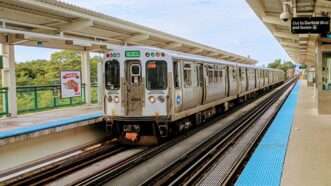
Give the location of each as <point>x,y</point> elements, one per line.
<point>151,93</point>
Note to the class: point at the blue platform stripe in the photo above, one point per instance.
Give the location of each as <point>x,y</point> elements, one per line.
<point>50,124</point>
<point>266,164</point>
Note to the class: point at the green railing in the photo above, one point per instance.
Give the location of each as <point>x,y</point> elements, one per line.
<point>3,101</point>
<point>37,98</point>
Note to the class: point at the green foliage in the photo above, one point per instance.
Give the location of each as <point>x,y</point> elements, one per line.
<point>47,72</point>
<point>303,66</point>
<point>277,64</point>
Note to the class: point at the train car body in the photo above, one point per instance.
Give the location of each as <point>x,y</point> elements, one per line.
<point>153,93</point>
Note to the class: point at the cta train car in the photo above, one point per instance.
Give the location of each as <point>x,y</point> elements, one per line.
<point>152,93</point>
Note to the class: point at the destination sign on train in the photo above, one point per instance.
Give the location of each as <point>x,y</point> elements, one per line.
<point>310,25</point>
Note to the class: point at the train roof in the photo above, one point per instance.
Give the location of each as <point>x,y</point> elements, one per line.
<point>182,55</point>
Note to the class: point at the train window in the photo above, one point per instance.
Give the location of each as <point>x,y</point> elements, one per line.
<point>112,73</point>
<point>210,74</point>
<point>197,75</point>
<point>215,75</point>
<point>135,70</point>
<point>240,73</point>
<point>233,73</point>
<point>187,76</point>
<point>201,78</point>
<point>261,74</point>
<point>176,75</point>
<point>156,75</point>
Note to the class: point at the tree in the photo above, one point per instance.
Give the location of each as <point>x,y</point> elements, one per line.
<point>277,64</point>
<point>47,72</point>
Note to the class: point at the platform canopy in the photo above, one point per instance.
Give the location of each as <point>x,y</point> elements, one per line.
<point>55,24</point>
<point>301,48</point>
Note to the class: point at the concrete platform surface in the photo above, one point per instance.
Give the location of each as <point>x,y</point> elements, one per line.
<point>42,123</point>
<point>266,163</point>
<point>42,117</point>
<point>308,159</point>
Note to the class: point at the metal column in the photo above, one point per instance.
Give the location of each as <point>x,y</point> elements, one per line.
<point>9,75</point>
<point>100,83</point>
<point>86,75</point>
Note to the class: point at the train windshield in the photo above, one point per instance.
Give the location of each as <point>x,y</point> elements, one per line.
<point>156,75</point>
<point>112,72</point>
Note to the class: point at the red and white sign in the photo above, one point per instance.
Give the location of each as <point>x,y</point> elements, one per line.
<point>70,84</point>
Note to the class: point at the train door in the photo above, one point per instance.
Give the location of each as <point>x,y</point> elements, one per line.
<point>201,83</point>
<point>178,94</point>
<point>197,84</point>
<point>255,78</point>
<point>135,88</point>
<point>232,80</point>
<point>189,84</point>
<point>243,79</point>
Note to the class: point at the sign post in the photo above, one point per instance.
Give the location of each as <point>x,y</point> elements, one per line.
<point>70,84</point>
<point>310,25</point>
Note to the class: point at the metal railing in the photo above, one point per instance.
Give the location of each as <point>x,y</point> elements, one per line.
<point>3,101</point>
<point>37,98</point>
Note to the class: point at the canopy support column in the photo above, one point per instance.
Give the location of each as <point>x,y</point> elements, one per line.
<point>86,75</point>
<point>100,84</point>
<point>9,76</point>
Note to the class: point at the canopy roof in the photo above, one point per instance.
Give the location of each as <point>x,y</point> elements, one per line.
<point>55,24</point>
<point>301,47</point>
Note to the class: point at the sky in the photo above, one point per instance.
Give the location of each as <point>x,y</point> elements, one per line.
<point>229,25</point>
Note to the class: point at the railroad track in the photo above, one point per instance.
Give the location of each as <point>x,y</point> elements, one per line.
<point>242,123</point>
<point>99,151</point>
<point>191,167</point>
<point>43,171</point>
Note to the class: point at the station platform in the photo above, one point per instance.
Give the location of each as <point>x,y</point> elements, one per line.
<point>42,123</point>
<point>295,150</point>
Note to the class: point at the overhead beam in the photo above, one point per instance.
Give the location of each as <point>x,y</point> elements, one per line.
<point>137,38</point>
<point>291,44</point>
<point>173,45</point>
<point>274,20</point>
<point>285,35</point>
<point>196,51</point>
<point>76,25</point>
<point>213,54</point>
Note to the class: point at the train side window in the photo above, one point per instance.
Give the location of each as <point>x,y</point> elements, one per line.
<point>201,78</point>
<point>176,75</point>
<point>112,75</point>
<point>210,74</point>
<point>240,74</point>
<point>216,74</point>
<point>234,73</point>
<point>197,75</point>
<point>261,74</point>
<point>187,76</point>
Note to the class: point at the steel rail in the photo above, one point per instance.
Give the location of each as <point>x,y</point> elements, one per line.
<point>67,163</point>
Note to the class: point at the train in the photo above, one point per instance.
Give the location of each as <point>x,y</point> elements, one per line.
<point>153,94</point>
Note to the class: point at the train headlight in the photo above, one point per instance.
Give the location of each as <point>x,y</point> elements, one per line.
<point>151,99</point>
<point>161,99</point>
<point>110,99</point>
<point>116,99</point>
